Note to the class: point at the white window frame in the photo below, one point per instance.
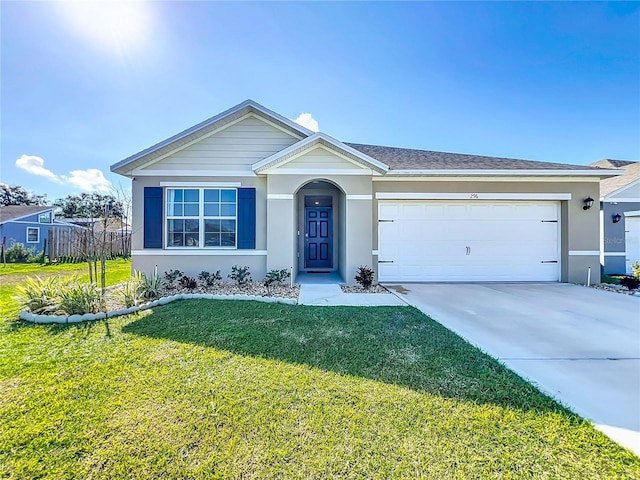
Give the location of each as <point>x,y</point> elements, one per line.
<point>50,218</point>
<point>37,235</point>
<point>200,217</point>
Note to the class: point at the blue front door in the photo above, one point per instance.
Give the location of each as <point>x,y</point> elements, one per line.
<point>318,241</point>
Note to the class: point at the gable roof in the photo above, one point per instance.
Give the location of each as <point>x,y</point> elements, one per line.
<point>14,212</point>
<point>631,174</point>
<point>405,160</point>
<point>310,142</point>
<point>191,134</point>
<point>609,163</point>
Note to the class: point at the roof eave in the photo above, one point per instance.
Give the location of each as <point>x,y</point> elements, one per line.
<point>505,172</point>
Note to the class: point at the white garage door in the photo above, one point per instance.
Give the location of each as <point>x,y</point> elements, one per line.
<point>468,241</point>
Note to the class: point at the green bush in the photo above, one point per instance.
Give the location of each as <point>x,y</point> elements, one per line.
<point>209,279</point>
<point>630,282</point>
<point>151,286</point>
<point>79,298</point>
<point>635,268</point>
<point>171,276</point>
<point>240,275</point>
<point>17,253</point>
<point>364,277</point>
<point>40,295</point>
<point>131,292</point>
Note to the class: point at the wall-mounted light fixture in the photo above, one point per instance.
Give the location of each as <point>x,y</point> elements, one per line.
<point>588,203</point>
<point>616,218</point>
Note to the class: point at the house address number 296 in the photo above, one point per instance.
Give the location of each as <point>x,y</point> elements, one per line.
<point>473,196</point>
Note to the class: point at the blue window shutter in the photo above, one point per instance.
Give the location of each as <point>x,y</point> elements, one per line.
<point>153,217</point>
<point>246,218</point>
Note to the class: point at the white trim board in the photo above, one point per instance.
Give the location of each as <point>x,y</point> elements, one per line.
<point>198,251</point>
<point>320,171</point>
<point>615,254</point>
<point>584,253</point>
<point>279,196</point>
<point>620,200</point>
<point>200,184</point>
<point>471,196</point>
<point>515,173</point>
<point>632,213</point>
<point>454,178</point>
<point>191,173</point>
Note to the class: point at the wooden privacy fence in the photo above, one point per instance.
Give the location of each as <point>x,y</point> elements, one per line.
<point>66,245</point>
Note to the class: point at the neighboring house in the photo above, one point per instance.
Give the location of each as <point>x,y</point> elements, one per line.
<point>28,225</point>
<point>113,224</point>
<point>620,217</point>
<point>251,187</point>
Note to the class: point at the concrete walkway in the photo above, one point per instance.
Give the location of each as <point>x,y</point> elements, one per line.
<point>332,295</point>
<point>580,345</point>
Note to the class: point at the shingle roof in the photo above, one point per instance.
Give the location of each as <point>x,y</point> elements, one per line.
<point>608,163</point>
<point>631,174</point>
<point>11,212</point>
<point>410,159</point>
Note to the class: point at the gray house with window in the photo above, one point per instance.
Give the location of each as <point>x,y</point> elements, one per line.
<point>251,187</point>
<point>28,224</point>
<point>619,217</point>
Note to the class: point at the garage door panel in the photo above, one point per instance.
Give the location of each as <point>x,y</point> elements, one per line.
<point>468,241</point>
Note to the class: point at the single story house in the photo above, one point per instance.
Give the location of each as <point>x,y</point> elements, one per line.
<point>29,225</point>
<point>251,187</point>
<point>619,217</point>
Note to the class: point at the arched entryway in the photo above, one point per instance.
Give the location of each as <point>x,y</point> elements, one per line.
<point>321,230</point>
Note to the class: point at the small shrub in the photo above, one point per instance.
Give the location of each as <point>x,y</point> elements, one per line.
<point>131,292</point>
<point>364,277</point>
<point>635,268</point>
<point>171,276</point>
<point>188,282</point>
<point>630,282</point>
<point>39,295</point>
<point>240,275</point>
<point>151,286</point>
<point>79,298</point>
<point>209,279</point>
<point>17,253</point>
<point>275,277</point>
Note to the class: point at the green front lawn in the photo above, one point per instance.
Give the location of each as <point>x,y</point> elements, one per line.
<point>222,389</point>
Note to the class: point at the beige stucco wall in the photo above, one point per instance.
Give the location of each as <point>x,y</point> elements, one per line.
<point>352,218</point>
<point>579,229</point>
<point>279,206</point>
<point>196,260</point>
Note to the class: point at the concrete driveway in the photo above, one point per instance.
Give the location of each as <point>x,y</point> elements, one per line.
<point>581,345</point>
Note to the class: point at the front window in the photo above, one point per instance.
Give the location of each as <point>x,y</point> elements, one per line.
<point>44,217</point>
<point>201,217</point>
<point>33,234</point>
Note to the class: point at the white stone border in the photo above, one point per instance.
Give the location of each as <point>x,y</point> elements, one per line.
<point>39,318</point>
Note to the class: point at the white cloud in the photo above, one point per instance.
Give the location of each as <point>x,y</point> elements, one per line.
<point>307,121</point>
<point>89,180</point>
<point>35,166</point>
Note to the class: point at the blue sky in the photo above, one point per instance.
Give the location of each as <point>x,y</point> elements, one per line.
<point>86,84</point>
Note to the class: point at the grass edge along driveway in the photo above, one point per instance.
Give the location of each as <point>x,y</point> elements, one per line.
<point>223,389</point>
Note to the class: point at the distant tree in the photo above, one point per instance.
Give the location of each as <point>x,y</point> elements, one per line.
<point>90,206</point>
<point>16,195</point>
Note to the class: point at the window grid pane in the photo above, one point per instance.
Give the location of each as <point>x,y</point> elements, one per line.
<point>215,221</point>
